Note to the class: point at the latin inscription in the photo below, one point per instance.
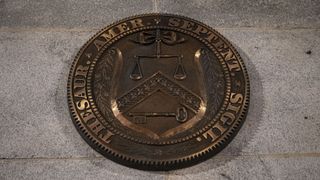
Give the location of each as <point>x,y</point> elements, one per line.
<point>83,106</point>
<point>226,119</point>
<point>142,88</point>
<point>211,37</point>
<point>113,32</point>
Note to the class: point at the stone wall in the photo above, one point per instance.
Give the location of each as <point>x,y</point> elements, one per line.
<point>278,40</point>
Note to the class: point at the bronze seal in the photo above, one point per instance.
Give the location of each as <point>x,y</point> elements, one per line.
<point>158,92</point>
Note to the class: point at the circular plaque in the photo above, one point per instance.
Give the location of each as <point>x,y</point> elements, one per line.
<point>158,92</point>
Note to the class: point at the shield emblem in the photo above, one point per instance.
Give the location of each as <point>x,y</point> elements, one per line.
<point>158,91</point>
<point>156,88</point>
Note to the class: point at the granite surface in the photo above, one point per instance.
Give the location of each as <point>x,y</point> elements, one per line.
<point>279,42</point>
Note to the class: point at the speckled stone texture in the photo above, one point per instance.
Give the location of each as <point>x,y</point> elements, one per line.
<point>279,42</point>
<point>248,13</point>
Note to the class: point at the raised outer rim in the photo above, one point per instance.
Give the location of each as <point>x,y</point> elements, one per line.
<point>216,147</point>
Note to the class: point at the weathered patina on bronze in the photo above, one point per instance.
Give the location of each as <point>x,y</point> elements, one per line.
<point>158,92</point>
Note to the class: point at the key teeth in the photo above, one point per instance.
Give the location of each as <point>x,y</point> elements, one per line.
<point>181,115</point>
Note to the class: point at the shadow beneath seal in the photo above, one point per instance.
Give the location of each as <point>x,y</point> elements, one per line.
<point>69,132</point>
<point>75,146</point>
<point>246,133</point>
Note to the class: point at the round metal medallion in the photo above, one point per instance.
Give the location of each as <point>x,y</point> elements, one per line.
<point>158,92</point>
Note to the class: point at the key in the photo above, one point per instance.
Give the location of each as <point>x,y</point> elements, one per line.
<point>181,115</point>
